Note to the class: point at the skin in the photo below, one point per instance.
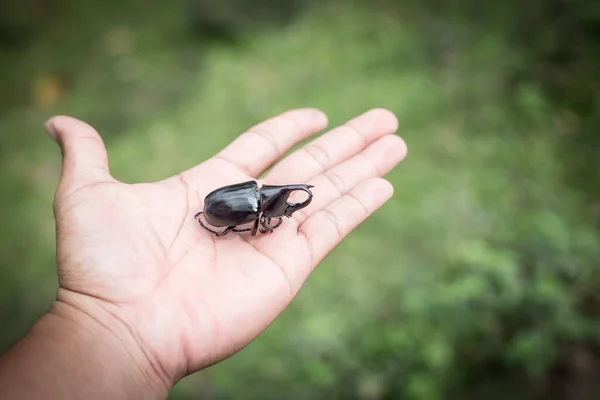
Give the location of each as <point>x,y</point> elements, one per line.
<point>146,296</point>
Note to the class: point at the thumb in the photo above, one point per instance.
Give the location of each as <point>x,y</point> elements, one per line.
<point>84,155</point>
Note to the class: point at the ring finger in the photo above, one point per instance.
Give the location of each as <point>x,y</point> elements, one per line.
<point>375,161</point>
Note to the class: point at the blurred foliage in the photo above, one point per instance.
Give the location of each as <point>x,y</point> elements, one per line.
<point>478,280</point>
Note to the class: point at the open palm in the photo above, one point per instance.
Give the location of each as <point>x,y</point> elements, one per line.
<point>190,299</point>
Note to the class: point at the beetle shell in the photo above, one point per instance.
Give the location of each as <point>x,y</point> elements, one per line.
<point>233,205</point>
<point>243,203</point>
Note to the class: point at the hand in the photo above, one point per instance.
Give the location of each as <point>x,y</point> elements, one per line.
<point>133,257</point>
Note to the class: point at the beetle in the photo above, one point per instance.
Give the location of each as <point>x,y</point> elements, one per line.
<point>244,203</point>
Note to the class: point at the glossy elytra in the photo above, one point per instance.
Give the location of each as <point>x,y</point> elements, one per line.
<point>243,203</point>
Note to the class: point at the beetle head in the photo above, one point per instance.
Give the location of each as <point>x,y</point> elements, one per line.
<point>274,200</point>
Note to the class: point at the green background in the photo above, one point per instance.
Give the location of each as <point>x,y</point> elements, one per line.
<point>479,279</point>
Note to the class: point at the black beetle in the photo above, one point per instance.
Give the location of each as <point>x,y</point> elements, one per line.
<point>245,202</point>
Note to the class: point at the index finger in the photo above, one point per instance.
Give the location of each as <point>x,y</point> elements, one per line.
<point>264,144</point>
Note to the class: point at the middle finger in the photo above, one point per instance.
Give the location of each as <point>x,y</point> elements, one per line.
<point>375,161</point>
<point>334,147</point>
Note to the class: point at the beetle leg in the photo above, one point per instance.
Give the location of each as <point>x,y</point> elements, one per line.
<point>255,227</point>
<point>272,227</point>
<point>242,230</point>
<point>207,228</point>
<point>278,222</point>
<point>226,231</point>
<point>268,222</point>
<point>265,225</point>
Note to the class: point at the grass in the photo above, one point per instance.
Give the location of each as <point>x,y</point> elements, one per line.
<point>477,174</point>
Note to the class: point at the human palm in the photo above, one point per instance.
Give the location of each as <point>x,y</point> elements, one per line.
<point>134,252</point>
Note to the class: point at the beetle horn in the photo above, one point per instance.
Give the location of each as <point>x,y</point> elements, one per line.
<point>292,208</point>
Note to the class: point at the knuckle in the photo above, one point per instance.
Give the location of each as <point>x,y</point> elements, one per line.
<point>357,133</point>
<point>336,181</point>
<point>361,205</point>
<point>300,216</point>
<point>264,134</point>
<point>372,163</point>
<point>318,154</point>
<point>334,222</point>
<point>290,119</point>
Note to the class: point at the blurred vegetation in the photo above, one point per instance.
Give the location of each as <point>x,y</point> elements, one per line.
<point>478,280</point>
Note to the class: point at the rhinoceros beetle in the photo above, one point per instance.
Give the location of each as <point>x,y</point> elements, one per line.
<point>244,203</point>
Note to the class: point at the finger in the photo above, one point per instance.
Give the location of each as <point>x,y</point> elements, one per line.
<point>375,161</point>
<point>326,228</point>
<point>262,145</point>
<point>334,147</point>
<point>84,154</point>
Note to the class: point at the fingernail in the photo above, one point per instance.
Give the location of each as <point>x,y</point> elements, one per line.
<point>50,129</point>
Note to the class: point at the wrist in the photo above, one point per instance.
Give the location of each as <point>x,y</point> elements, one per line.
<point>71,353</point>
